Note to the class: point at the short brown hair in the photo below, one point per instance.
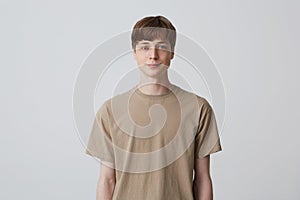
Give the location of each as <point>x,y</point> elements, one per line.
<point>151,28</point>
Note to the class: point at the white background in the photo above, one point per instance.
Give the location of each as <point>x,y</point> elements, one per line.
<point>254,44</point>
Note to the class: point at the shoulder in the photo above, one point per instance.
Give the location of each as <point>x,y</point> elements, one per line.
<point>203,103</point>
<point>116,101</point>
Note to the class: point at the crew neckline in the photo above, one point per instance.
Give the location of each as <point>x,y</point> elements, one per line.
<point>153,96</point>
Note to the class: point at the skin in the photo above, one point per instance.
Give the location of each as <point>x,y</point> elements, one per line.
<point>202,186</point>
<point>107,181</point>
<point>154,81</point>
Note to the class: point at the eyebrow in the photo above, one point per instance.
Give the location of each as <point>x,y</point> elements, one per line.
<point>161,42</point>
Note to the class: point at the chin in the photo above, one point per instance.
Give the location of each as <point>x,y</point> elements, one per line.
<point>153,72</point>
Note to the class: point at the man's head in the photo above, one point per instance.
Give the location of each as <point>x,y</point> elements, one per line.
<point>151,28</point>
<point>153,42</point>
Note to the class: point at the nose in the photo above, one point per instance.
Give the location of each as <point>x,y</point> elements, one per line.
<point>153,53</point>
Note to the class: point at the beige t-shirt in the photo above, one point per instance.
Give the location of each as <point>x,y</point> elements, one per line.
<point>153,141</point>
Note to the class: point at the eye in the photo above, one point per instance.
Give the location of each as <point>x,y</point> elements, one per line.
<point>161,46</point>
<point>145,47</point>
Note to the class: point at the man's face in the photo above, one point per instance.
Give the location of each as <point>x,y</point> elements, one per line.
<point>153,57</point>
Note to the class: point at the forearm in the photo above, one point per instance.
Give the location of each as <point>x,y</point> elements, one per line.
<point>203,189</point>
<point>105,189</point>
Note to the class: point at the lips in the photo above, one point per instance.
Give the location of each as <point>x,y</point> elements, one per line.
<point>153,65</point>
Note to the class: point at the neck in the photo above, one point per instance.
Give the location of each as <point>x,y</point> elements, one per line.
<point>154,85</point>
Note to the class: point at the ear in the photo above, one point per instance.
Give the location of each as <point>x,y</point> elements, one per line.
<point>172,55</point>
<point>134,54</point>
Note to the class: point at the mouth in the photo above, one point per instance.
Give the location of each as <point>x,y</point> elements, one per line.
<point>153,65</point>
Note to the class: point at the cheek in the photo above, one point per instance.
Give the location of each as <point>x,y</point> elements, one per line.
<point>167,57</point>
<point>140,60</point>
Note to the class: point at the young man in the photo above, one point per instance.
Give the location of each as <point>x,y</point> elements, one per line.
<point>152,138</point>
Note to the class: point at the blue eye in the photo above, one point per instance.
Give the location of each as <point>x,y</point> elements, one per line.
<point>162,47</point>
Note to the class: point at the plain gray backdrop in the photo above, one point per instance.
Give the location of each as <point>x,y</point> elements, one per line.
<point>254,44</point>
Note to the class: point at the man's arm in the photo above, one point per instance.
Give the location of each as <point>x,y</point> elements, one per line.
<point>106,183</point>
<point>202,182</point>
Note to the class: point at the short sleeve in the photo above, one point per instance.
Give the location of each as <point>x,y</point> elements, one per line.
<point>100,141</point>
<point>207,140</point>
